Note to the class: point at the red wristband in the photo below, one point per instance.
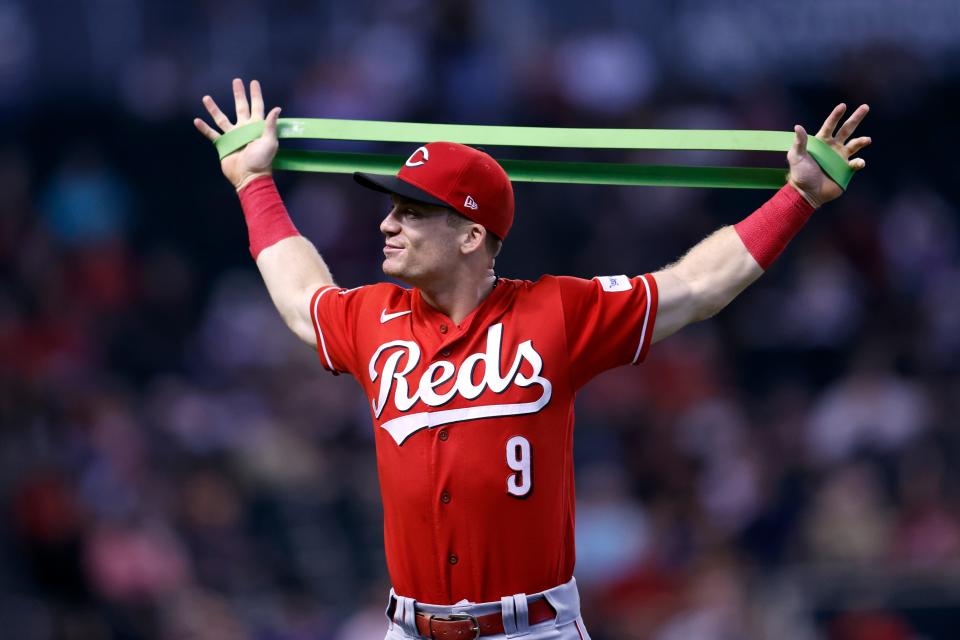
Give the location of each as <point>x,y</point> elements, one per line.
<point>766,232</point>
<point>267,219</point>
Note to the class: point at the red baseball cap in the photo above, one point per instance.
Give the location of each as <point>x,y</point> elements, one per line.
<point>453,175</point>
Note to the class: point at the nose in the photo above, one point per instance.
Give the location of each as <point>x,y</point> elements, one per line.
<point>390,225</point>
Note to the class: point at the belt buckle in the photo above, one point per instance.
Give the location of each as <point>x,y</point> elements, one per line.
<point>459,617</point>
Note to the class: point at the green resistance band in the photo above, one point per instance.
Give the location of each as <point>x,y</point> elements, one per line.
<point>544,171</point>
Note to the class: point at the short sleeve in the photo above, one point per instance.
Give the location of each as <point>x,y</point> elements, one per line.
<point>608,321</point>
<point>334,314</point>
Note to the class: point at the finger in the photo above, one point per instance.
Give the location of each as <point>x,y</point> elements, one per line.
<point>205,129</point>
<point>256,100</point>
<point>851,124</point>
<point>218,116</point>
<point>826,131</point>
<point>270,126</point>
<point>240,100</point>
<point>800,140</point>
<point>857,164</point>
<point>858,144</point>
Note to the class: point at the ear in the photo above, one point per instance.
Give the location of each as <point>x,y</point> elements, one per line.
<point>474,236</point>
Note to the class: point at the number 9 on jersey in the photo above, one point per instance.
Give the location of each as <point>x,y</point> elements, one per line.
<point>519,458</point>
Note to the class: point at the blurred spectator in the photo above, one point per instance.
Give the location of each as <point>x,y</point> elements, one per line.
<point>86,204</point>
<point>870,625</point>
<point>928,531</point>
<point>872,409</point>
<point>850,521</point>
<point>612,532</point>
<point>715,607</point>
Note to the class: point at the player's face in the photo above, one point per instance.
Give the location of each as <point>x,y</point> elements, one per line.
<point>420,245</point>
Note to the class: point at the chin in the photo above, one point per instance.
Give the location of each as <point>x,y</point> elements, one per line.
<point>398,273</point>
<point>392,270</point>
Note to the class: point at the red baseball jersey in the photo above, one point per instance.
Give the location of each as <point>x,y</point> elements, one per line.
<point>474,423</point>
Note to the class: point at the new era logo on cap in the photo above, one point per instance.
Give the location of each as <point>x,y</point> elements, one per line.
<point>470,203</point>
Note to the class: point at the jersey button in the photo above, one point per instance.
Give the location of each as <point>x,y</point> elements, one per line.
<point>443,435</point>
<point>445,498</point>
<point>443,328</point>
<point>453,559</point>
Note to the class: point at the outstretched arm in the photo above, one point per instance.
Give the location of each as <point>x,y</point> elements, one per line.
<point>717,269</point>
<point>289,263</point>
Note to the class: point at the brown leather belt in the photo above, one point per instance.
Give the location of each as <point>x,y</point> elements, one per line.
<point>460,626</point>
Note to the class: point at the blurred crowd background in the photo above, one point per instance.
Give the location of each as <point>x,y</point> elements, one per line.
<point>174,464</point>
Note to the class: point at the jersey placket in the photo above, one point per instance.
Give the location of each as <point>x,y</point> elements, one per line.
<point>437,336</point>
<point>441,339</point>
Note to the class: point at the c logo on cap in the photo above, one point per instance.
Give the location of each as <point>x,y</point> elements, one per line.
<point>426,156</point>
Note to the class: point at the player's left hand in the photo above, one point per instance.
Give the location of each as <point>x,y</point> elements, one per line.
<point>806,175</point>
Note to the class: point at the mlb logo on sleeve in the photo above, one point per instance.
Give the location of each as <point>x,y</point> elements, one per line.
<point>615,283</point>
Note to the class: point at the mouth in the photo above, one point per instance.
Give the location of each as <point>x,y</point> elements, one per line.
<point>389,249</point>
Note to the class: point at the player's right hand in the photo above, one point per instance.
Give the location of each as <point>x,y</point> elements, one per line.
<point>253,160</point>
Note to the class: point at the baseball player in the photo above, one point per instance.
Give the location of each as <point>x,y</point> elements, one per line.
<point>471,377</point>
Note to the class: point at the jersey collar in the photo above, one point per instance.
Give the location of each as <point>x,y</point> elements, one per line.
<point>489,308</point>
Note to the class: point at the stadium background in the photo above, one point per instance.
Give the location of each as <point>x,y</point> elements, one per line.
<point>173,464</point>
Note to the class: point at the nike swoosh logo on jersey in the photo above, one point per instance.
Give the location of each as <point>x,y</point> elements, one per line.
<point>387,317</point>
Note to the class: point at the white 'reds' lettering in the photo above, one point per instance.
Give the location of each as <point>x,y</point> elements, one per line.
<point>393,377</point>
<point>428,384</point>
<point>402,398</point>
